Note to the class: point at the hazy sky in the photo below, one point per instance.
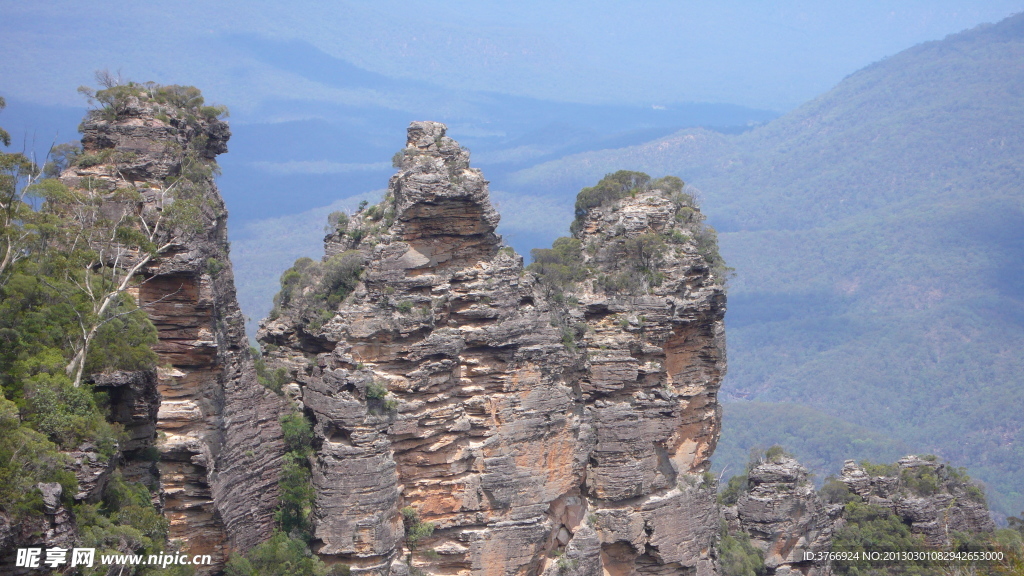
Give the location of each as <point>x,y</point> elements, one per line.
<point>763,54</point>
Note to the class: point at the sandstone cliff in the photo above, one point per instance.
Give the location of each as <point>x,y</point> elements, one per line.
<point>931,497</point>
<point>539,429</point>
<point>148,162</point>
<point>784,517</point>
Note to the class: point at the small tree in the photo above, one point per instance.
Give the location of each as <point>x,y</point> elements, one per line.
<point>646,250</point>
<point>116,233</point>
<point>415,529</point>
<point>17,226</point>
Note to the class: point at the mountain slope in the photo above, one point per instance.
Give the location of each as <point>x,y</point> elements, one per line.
<point>876,232</point>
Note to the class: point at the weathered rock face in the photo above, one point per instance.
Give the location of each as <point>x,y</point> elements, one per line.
<point>54,528</point>
<point>929,496</point>
<point>216,429</point>
<point>134,402</point>
<point>784,517</point>
<point>540,433</point>
<point>655,355</point>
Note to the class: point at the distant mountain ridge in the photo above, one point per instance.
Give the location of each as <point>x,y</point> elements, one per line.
<point>876,232</point>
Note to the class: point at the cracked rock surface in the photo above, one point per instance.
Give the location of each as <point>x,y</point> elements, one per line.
<point>215,427</point>
<point>540,432</point>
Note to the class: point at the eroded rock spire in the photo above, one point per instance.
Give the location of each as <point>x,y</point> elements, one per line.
<point>148,163</point>
<point>538,428</point>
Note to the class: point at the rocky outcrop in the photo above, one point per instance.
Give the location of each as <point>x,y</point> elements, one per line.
<point>54,528</point>
<point>148,160</point>
<point>784,517</point>
<point>134,403</point>
<point>539,430</point>
<point>933,498</point>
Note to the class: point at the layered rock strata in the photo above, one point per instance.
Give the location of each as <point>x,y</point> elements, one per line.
<point>215,427</point>
<point>927,495</point>
<point>540,431</point>
<point>785,518</point>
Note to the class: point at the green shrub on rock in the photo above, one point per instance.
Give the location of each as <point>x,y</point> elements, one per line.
<point>279,556</point>
<point>415,529</point>
<point>561,265</point>
<point>738,557</point>
<point>312,290</point>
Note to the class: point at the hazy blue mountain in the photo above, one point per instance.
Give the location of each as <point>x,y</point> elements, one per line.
<point>319,153</point>
<point>878,237</point>
<point>823,442</point>
<point>765,55</point>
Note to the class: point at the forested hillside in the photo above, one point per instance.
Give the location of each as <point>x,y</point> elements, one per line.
<point>876,234</point>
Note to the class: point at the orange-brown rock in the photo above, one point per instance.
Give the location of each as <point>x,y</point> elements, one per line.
<point>540,432</point>
<point>215,427</point>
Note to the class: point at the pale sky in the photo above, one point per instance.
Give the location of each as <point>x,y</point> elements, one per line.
<point>761,54</point>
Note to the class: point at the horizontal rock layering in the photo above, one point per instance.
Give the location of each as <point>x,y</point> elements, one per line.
<point>540,431</point>
<point>216,428</point>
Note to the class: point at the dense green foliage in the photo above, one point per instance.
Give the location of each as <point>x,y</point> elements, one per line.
<point>295,485</point>
<point>298,434</point>
<point>27,457</point>
<point>125,521</point>
<point>70,260</point>
<point>621,184</point>
<point>62,315</point>
<point>835,492</point>
<point>738,556</point>
<point>875,528</point>
<point>775,454</point>
<point>313,290</point>
<point>730,494</point>
<point>561,265</point>
<point>279,556</point>
<point>612,187</point>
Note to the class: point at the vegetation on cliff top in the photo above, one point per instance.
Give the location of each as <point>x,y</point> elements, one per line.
<point>868,527</point>
<point>70,260</point>
<point>311,291</point>
<point>49,280</point>
<point>114,100</point>
<point>563,265</point>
